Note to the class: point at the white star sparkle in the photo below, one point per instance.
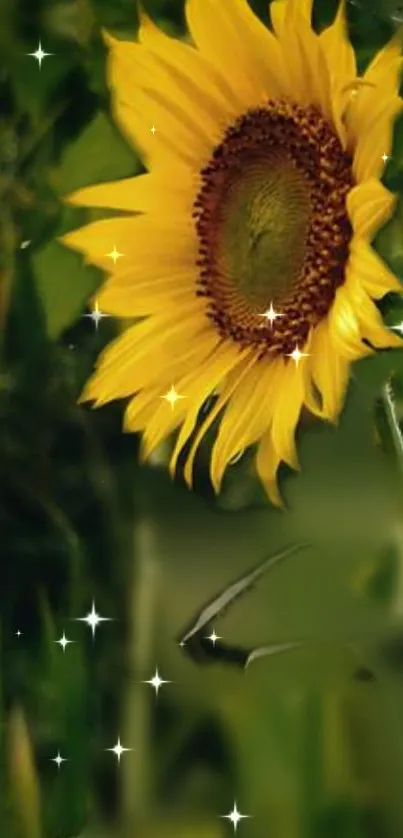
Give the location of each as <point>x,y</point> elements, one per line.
<point>118,750</point>
<point>114,255</point>
<point>18,633</point>
<point>153,130</point>
<point>96,315</point>
<point>172,397</point>
<point>235,817</point>
<point>156,682</point>
<point>296,355</point>
<point>271,315</point>
<point>213,637</point>
<point>39,55</point>
<point>385,157</point>
<point>58,759</point>
<point>93,619</point>
<point>63,642</point>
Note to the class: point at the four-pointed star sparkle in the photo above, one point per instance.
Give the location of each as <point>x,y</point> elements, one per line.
<point>296,355</point>
<point>39,55</point>
<point>63,642</point>
<point>235,817</point>
<point>118,750</point>
<point>96,315</point>
<point>172,397</point>
<point>58,759</point>
<point>156,682</point>
<point>114,255</point>
<point>213,637</point>
<point>271,315</point>
<point>93,619</point>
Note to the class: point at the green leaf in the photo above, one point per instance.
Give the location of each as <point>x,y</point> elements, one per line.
<point>100,154</point>
<point>64,285</point>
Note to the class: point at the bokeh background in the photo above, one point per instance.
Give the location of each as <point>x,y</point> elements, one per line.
<point>309,743</point>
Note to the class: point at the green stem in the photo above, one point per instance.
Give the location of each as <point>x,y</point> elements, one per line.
<point>136,768</point>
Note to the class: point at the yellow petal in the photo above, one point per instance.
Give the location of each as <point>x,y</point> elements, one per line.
<point>370,320</point>
<point>247,415</point>
<point>169,293</point>
<point>229,371</point>
<point>147,352</point>
<point>232,382</point>
<point>139,104</point>
<point>381,86</point>
<point>141,409</point>
<point>307,69</point>
<point>267,463</point>
<point>340,59</point>
<point>371,272</point>
<point>369,206</point>
<point>236,43</point>
<point>195,386</point>
<point>140,194</point>
<point>329,371</point>
<point>189,72</point>
<point>375,137</point>
<point>136,238</point>
<point>337,48</point>
<point>288,400</point>
<point>344,327</point>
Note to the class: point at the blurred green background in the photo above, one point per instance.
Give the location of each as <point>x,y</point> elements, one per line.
<point>310,742</point>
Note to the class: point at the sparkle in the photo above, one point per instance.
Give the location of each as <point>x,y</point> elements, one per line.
<point>63,642</point>
<point>172,396</point>
<point>296,355</point>
<point>114,255</point>
<point>58,759</point>
<point>235,817</point>
<point>118,750</point>
<point>92,619</point>
<point>153,130</point>
<point>271,314</point>
<point>96,315</point>
<point>18,633</point>
<point>385,157</point>
<point>398,327</point>
<point>39,55</point>
<point>156,682</point>
<point>213,637</point>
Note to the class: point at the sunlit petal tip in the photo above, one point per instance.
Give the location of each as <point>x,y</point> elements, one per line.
<point>188,473</point>
<point>87,395</point>
<point>144,452</point>
<point>75,240</point>
<point>146,24</point>
<point>109,40</point>
<point>216,482</point>
<point>274,495</point>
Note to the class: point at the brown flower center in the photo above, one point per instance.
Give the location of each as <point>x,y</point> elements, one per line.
<point>273,227</point>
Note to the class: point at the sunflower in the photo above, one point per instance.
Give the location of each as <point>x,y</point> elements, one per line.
<point>244,253</point>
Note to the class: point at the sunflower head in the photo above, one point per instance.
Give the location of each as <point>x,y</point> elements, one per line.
<point>245,252</point>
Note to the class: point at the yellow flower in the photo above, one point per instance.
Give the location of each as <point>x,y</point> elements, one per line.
<point>246,247</point>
